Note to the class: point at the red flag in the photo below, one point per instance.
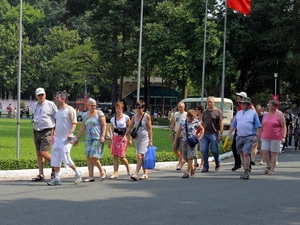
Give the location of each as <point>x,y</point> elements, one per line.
<point>243,6</point>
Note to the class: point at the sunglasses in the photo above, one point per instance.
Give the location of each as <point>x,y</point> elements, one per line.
<point>93,105</point>
<point>41,95</point>
<point>139,107</point>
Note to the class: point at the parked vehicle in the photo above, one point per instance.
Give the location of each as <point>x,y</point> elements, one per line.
<point>79,115</point>
<point>191,103</point>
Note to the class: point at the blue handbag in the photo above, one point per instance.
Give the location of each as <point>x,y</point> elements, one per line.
<point>192,140</point>
<point>150,157</point>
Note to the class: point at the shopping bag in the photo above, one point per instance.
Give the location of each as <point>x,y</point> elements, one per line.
<point>150,157</point>
<point>227,143</point>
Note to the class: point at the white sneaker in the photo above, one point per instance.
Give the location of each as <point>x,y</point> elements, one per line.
<point>54,182</point>
<point>78,179</point>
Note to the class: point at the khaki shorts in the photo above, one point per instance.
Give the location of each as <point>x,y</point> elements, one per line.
<point>270,145</point>
<point>43,139</point>
<point>178,144</point>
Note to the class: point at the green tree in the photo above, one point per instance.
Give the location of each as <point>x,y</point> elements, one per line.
<point>114,24</point>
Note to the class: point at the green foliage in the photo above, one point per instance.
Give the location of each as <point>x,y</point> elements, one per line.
<point>27,152</point>
<point>67,42</point>
<point>22,105</point>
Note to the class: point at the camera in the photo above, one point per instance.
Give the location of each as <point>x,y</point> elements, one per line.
<point>120,131</point>
<point>34,120</point>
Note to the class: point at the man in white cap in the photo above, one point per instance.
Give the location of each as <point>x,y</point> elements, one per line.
<point>43,112</point>
<point>237,158</point>
<point>247,124</point>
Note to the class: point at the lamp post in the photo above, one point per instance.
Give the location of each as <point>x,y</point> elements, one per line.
<point>19,80</point>
<point>275,77</point>
<point>140,54</point>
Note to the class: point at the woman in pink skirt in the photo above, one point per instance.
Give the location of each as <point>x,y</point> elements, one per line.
<point>118,147</point>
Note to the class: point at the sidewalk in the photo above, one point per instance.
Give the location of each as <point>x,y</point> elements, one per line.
<point>68,172</point>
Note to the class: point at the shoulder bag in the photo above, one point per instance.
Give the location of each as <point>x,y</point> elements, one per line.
<point>191,140</point>
<point>134,130</point>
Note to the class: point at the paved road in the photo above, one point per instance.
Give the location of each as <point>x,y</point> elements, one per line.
<point>214,198</point>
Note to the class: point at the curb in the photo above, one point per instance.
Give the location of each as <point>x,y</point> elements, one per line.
<point>67,172</point>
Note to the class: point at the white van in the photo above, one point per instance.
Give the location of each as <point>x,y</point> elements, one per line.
<point>191,103</point>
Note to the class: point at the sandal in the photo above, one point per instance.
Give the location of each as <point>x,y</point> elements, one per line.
<point>185,175</point>
<point>113,177</point>
<point>271,172</point>
<point>103,175</point>
<point>134,177</point>
<point>244,176</point>
<point>52,174</point>
<point>144,177</point>
<point>267,170</point>
<point>89,180</point>
<point>38,178</point>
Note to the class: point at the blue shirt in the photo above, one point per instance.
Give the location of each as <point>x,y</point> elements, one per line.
<point>246,122</point>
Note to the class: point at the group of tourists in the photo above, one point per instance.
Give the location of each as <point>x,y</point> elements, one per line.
<point>205,127</point>
<point>54,128</point>
<point>197,130</point>
<point>254,130</point>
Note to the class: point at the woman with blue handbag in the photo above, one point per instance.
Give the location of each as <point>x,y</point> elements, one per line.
<point>190,139</point>
<point>142,138</point>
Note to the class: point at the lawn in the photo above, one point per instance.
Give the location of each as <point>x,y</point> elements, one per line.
<point>27,156</point>
<point>8,135</point>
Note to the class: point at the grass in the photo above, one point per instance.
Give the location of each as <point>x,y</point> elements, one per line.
<point>8,142</point>
<point>27,153</point>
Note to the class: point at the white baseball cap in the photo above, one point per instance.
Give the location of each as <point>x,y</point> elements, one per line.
<point>39,91</point>
<point>242,94</point>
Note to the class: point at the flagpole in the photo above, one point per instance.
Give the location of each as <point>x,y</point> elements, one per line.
<point>140,53</point>
<point>204,52</point>
<point>224,58</point>
<point>19,82</point>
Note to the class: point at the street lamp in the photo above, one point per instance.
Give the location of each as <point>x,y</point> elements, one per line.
<point>275,77</point>
<point>140,53</point>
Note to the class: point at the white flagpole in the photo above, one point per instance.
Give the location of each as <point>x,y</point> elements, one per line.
<point>140,53</point>
<point>204,52</point>
<point>224,59</point>
<point>19,82</point>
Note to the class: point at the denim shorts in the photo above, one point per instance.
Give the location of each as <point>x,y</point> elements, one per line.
<point>244,144</point>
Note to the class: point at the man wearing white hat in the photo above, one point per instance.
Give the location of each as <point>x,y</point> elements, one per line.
<point>237,158</point>
<point>247,124</point>
<point>43,112</point>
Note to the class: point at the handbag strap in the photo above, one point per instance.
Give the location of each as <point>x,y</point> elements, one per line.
<point>186,130</point>
<point>140,122</point>
<point>116,121</point>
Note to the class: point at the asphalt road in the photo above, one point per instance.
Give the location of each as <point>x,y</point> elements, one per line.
<point>214,198</point>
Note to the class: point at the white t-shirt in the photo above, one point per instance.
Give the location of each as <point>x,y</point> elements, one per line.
<point>178,118</point>
<point>64,120</point>
<point>120,122</point>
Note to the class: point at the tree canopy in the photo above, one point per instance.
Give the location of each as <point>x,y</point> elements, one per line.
<point>69,44</point>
